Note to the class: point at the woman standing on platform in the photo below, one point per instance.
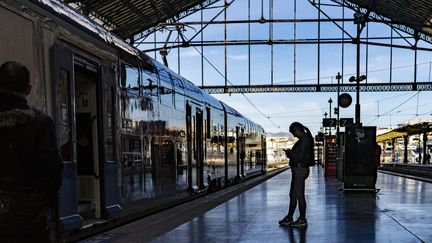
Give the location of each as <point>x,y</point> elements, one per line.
<point>301,157</point>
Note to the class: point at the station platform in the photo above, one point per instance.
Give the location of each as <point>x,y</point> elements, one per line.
<point>400,212</point>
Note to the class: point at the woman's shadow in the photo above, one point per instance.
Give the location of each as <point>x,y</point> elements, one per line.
<point>296,234</point>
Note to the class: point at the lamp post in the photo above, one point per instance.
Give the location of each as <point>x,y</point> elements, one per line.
<point>357,105</point>
<point>330,101</point>
<point>325,128</point>
<point>338,77</point>
<point>338,138</point>
<point>359,19</point>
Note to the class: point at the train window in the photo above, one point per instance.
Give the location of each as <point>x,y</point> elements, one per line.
<point>130,77</point>
<point>179,99</point>
<point>64,113</point>
<point>166,91</point>
<point>149,83</point>
<point>208,130</point>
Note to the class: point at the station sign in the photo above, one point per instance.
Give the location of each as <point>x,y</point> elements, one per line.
<point>332,122</point>
<point>329,122</point>
<point>343,122</point>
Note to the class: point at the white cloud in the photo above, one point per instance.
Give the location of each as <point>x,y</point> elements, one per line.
<point>189,52</point>
<point>238,57</point>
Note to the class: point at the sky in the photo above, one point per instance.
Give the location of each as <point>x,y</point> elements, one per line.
<point>276,111</point>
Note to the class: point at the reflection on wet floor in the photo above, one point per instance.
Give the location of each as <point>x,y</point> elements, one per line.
<point>400,212</point>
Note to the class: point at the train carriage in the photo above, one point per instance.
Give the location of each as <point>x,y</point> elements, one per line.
<point>129,129</point>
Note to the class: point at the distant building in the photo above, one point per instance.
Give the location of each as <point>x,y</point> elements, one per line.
<point>393,151</point>
<point>275,147</point>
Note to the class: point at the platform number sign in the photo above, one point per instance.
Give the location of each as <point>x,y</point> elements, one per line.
<point>329,122</point>
<point>343,122</point>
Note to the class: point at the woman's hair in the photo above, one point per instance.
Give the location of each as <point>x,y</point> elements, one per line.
<point>298,126</point>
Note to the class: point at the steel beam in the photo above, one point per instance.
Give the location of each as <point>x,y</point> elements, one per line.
<point>299,88</point>
<point>373,15</point>
<point>204,5</point>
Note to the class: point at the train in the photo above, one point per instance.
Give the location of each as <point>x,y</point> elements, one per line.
<point>129,129</point>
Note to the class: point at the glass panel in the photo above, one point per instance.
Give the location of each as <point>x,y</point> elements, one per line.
<point>130,77</point>
<point>208,125</point>
<point>64,116</point>
<point>232,153</point>
<point>182,169</point>
<point>132,169</point>
<point>179,101</point>
<point>166,88</point>
<point>179,96</point>
<point>149,83</point>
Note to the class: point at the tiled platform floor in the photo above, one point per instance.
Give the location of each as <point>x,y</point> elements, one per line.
<point>400,212</point>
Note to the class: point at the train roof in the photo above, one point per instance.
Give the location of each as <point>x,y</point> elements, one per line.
<point>66,12</point>
<point>191,90</point>
<point>62,10</point>
<point>234,112</point>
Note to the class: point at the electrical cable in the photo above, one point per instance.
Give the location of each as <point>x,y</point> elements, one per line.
<point>247,99</point>
<point>395,107</point>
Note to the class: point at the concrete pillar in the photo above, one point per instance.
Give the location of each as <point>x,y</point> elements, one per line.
<point>405,149</point>
<point>424,148</point>
<point>420,153</point>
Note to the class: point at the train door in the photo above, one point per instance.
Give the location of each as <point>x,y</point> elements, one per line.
<point>189,145</point>
<point>84,109</point>
<point>199,149</point>
<point>238,146</point>
<point>108,169</point>
<point>87,138</point>
<point>263,157</point>
<point>242,152</point>
<point>190,121</point>
<point>64,110</point>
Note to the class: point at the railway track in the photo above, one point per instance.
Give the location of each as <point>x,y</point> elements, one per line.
<point>415,171</point>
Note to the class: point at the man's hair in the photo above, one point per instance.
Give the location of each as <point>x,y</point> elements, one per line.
<point>14,77</point>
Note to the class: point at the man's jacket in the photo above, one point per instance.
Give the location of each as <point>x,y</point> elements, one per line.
<point>30,165</point>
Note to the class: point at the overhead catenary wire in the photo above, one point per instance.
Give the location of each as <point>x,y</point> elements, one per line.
<point>321,108</point>
<point>247,99</point>
<point>283,115</point>
<point>227,81</point>
<point>395,107</point>
<point>268,116</point>
<point>226,78</point>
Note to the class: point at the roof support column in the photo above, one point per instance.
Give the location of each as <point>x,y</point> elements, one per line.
<point>416,37</point>
<point>319,46</point>
<point>225,43</point>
